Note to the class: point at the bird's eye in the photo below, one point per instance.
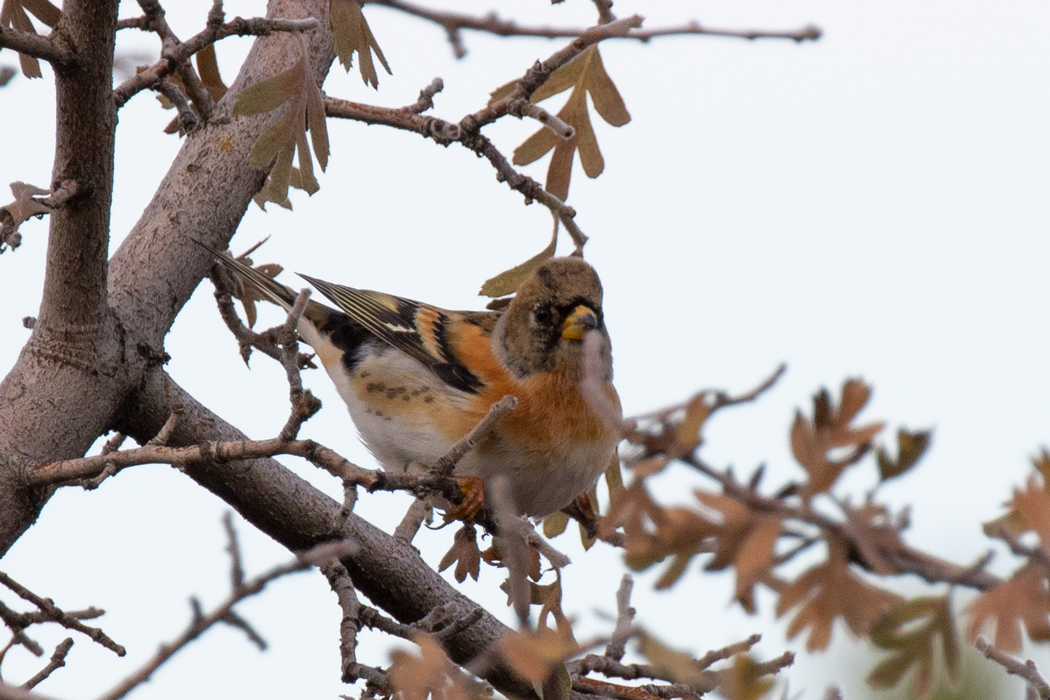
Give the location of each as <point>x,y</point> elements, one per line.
<point>542,314</point>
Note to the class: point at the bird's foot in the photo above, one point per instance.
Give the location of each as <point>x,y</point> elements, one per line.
<point>473,489</point>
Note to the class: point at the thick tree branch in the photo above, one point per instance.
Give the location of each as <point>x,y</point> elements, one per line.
<point>386,569</point>
<point>32,44</point>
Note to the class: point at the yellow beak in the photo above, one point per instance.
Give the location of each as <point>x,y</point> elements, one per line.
<point>581,320</point>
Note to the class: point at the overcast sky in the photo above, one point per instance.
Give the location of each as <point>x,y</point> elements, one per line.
<point>874,204</point>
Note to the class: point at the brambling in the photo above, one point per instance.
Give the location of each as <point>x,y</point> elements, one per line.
<point>416,378</point>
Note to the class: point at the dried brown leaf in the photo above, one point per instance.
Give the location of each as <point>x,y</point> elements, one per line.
<point>910,448</point>
<point>297,89</point>
<point>585,75</point>
<point>555,524</point>
<point>829,591</point>
<point>744,680</point>
<point>351,33</point>
<point>428,674</point>
<point>669,662</point>
<point>13,14</point>
<point>464,553</point>
<point>24,207</point>
<point>1033,505</point>
<point>913,631</point>
<point>1022,598</point>
<point>508,282</point>
<point>208,69</point>
<point>536,654</point>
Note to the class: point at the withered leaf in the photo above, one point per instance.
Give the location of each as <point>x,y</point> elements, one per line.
<point>746,540</point>
<point>910,448</point>
<point>549,597</point>
<point>678,665</point>
<point>536,654</point>
<point>1033,505</point>
<point>1022,598</point>
<point>429,673</point>
<point>508,282</point>
<point>208,69</point>
<point>465,553</point>
<point>614,477</point>
<point>830,428</point>
<point>1012,522</point>
<point>13,14</point>
<point>744,680</point>
<point>912,631</point>
<point>352,33</point>
<point>555,524</point>
<point>829,591</point>
<point>638,514</point>
<point>297,88</point>
<point>584,74</point>
<point>687,433</point>
<point>24,207</point>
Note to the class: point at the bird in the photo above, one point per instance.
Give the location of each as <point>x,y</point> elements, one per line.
<point>416,378</point>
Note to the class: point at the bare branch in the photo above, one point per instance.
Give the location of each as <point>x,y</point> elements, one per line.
<point>304,403</point>
<point>188,119</point>
<point>224,613</point>
<point>453,23</point>
<point>319,455</point>
<point>53,614</point>
<point>58,660</point>
<point>414,517</point>
<point>171,60</point>
<point>426,97</point>
<point>479,432</point>
<point>1014,666</point>
<point>558,127</point>
<point>32,44</point>
<point>616,647</point>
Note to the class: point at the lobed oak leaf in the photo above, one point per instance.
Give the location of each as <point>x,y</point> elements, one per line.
<point>549,598</point>
<point>351,33</point>
<point>638,514</point>
<point>508,282</point>
<point>24,207</point>
<point>585,75</point>
<point>745,539</point>
<point>208,70</point>
<point>669,662</point>
<point>913,631</point>
<point>687,432</point>
<point>1012,522</point>
<point>13,14</point>
<point>744,680</point>
<point>910,448</point>
<point>873,534</point>
<point>1022,598</point>
<point>464,553</point>
<point>537,655</point>
<point>811,441</point>
<point>428,674</point>
<point>1041,462</point>
<point>1033,506</point>
<point>297,89</point>
<point>830,591</point>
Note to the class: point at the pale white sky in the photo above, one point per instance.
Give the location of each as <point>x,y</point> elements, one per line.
<point>873,204</point>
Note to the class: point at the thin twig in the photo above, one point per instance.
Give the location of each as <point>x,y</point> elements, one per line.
<point>304,403</point>
<point>413,519</point>
<point>171,60</point>
<point>492,24</point>
<point>624,628</point>
<point>54,614</point>
<point>426,97</point>
<point>224,613</point>
<point>188,119</point>
<point>1014,666</point>
<point>448,461</point>
<point>58,660</point>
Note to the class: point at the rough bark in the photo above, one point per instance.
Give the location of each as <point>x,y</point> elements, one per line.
<point>386,569</point>
<point>90,352</point>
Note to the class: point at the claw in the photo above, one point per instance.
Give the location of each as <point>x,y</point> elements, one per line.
<point>473,489</point>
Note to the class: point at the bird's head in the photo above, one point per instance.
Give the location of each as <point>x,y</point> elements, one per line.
<point>544,326</point>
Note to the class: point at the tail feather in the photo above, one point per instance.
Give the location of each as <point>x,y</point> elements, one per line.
<point>275,291</point>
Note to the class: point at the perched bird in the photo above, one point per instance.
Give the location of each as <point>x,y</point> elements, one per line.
<point>416,378</point>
